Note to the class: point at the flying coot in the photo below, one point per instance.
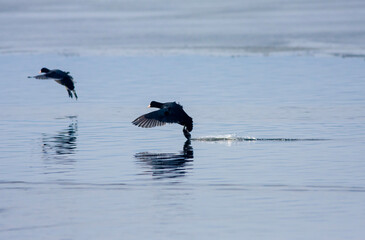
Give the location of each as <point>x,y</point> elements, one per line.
<point>169,112</point>
<point>60,77</point>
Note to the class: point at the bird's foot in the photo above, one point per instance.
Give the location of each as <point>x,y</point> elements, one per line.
<point>69,93</point>
<point>186,133</point>
<point>75,94</point>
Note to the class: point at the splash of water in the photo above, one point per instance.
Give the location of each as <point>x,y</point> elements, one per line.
<point>233,137</point>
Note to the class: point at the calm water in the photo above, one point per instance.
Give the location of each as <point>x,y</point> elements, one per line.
<point>279,120</point>
<point>80,170</point>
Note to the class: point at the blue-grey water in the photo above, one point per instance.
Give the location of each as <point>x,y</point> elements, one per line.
<point>278,141</point>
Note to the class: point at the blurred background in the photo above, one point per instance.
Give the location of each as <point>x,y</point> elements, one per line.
<point>209,27</point>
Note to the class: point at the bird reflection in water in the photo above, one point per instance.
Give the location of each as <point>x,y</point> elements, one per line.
<point>167,165</point>
<point>62,143</point>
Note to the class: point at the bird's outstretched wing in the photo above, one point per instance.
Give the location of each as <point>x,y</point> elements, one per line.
<point>41,77</point>
<point>173,114</point>
<point>152,119</point>
<point>53,74</point>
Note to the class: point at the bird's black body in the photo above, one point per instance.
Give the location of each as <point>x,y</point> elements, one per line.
<point>60,77</point>
<point>169,112</point>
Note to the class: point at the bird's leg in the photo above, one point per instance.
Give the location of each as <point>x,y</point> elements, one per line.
<point>186,133</point>
<point>75,94</point>
<point>69,93</point>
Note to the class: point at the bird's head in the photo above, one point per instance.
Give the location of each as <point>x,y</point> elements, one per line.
<point>155,104</point>
<point>44,70</point>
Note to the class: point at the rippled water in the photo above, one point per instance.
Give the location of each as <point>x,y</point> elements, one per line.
<point>277,149</point>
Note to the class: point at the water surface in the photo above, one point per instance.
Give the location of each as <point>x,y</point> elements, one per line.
<point>275,88</point>
<point>232,27</point>
<point>277,149</point>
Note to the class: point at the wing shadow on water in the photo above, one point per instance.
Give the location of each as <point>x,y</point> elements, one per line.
<point>167,165</point>
<point>61,144</point>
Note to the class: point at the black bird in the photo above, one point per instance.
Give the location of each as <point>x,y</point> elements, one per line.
<point>169,112</point>
<point>60,77</point>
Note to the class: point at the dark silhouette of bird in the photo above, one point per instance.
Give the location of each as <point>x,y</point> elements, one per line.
<point>60,77</point>
<point>168,165</point>
<point>169,112</point>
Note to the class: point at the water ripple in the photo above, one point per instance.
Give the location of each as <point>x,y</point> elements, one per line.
<point>248,139</point>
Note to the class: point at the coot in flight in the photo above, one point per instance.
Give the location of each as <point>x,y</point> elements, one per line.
<point>169,112</point>
<point>60,77</point>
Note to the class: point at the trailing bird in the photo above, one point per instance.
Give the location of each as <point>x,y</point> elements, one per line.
<point>170,112</point>
<point>60,77</point>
